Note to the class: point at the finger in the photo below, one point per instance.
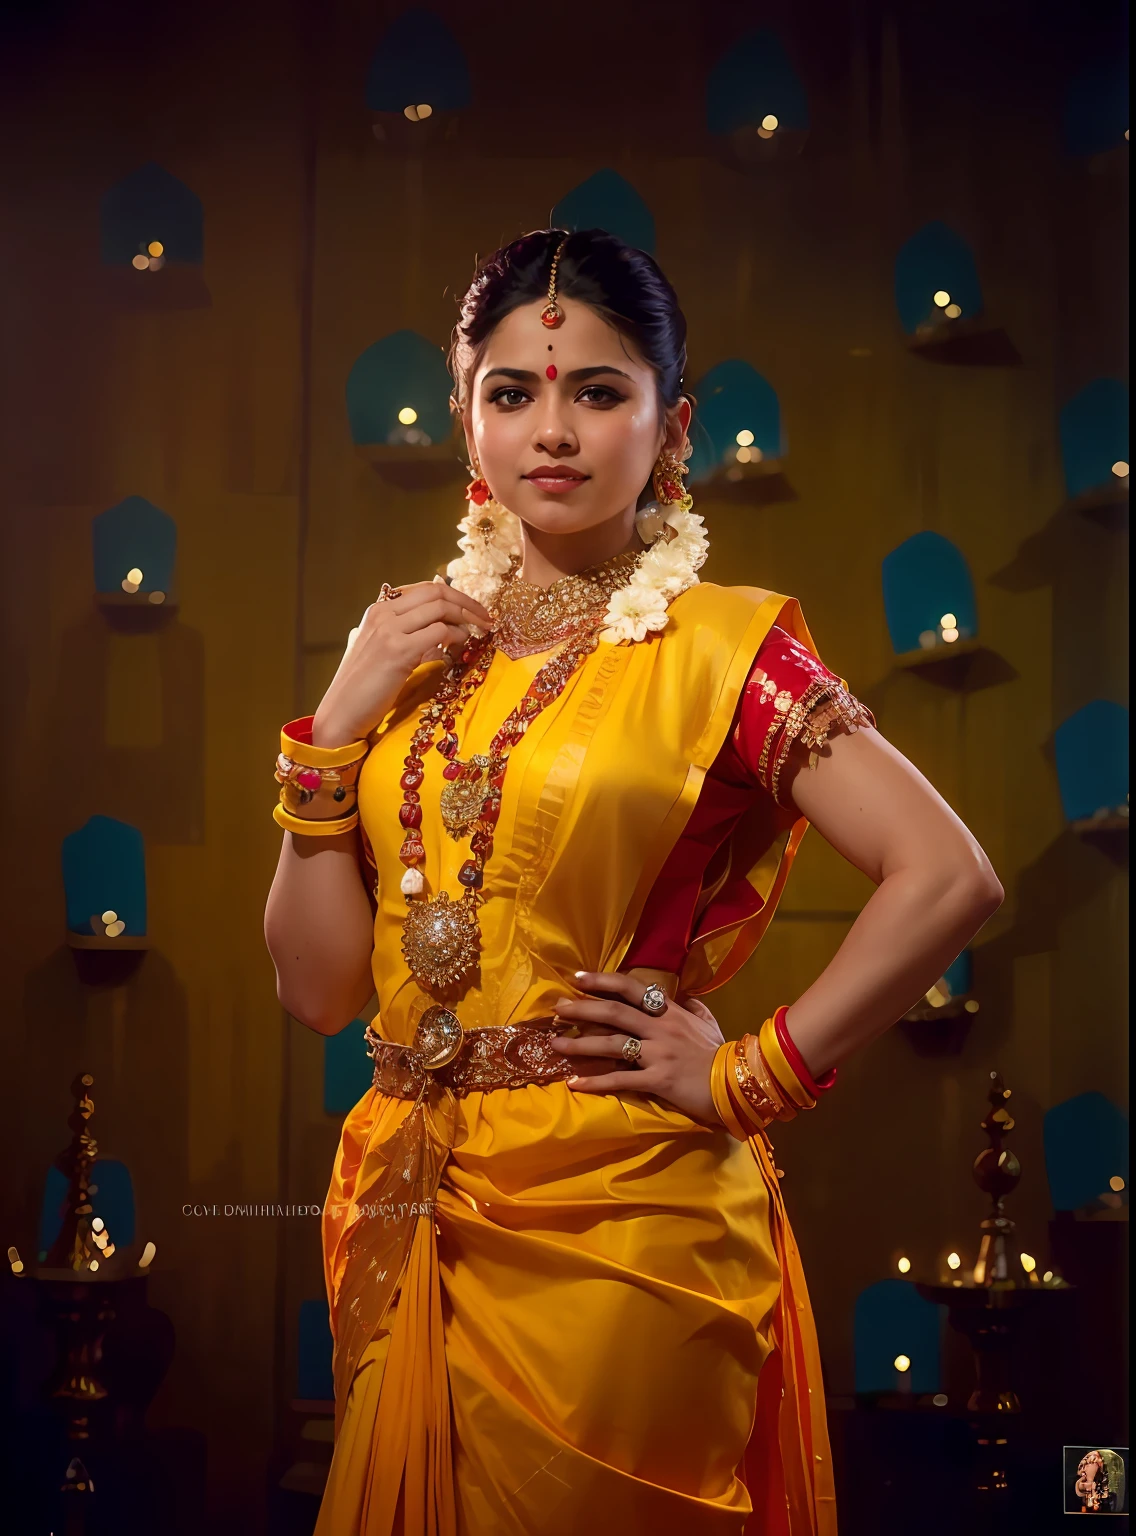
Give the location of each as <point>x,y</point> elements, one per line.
<point>610,1046</point>
<point>614,982</point>
<point>435,636</point>
<point>435,596</point>
<point>464,600</point>
<point>615,1082</point>
<point>600,1010</point>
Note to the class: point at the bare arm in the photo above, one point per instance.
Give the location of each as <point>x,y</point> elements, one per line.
<point>318,921</point>
<point>935,889</point>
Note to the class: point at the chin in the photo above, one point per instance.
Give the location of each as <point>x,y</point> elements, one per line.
<point>551,513</point>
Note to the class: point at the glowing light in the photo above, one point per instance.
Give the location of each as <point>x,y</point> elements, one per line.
<point>903,1265</point>
<point>134,575</point>
<point>765,133</point>
<point>953,1261</point>
<point>156,248</point>
<point>410,113</point>
<point>971,1005</point>
<point>115,929</point>
<point>953,311</point>
<point>950,636</point>
<point>140,263</point>
<point>756,455</point>
<point>928,639</point>
<point>940,1399</point>
<point>128,585</point>
<point>1120,469</point>
<point>743,455</point>
<point>948,621</point>
<point>98,1224</point>
<point>744,438</point>
<point>770,122</point>
<point>156,263</point>
<point>902,1363</point>
<point>110,916</point>
<point>1029,1263</point>
<point>1048,1276</point>
<point>156,597</point>
<point>942,298</point>
<point>147,1258</point>
<point>424,110</point>
<point>1116,1183</point>
<point>408,415</point>
<point>94,1265</point>
<point>936,997</point>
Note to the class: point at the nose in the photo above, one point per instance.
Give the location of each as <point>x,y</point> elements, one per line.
<point>553,433</point>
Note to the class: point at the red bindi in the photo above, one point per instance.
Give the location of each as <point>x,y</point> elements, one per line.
<point>550,371</point>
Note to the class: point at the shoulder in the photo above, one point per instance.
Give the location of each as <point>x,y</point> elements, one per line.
<point>707,603</point>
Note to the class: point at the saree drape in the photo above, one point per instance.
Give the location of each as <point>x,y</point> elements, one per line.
<point>594,1293</point>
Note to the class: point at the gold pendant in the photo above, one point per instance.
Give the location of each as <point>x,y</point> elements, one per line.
<point>441,941</point>
<point>438,1038</point>
<point>462,799</point>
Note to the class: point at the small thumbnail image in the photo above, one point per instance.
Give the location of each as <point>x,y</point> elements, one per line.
<point>1096,1480</point>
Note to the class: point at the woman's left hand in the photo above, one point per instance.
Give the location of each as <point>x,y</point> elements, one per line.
<point>677,1052</point>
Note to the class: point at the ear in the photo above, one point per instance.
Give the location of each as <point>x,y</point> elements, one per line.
<point>677,425</point>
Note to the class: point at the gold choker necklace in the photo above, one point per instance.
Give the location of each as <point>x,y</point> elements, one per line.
<point>529,619</point>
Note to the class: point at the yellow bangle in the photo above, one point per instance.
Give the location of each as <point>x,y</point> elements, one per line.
<point>720,1094</point>
<point>320,757</point>
<point>753,1087</point>
<point>779,1069</point>
<point>313,828</point>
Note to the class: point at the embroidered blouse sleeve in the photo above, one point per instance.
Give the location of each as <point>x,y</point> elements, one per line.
<point>791,701</point>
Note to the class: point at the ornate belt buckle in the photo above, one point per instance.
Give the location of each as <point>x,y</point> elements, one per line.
<point>438,1038</point>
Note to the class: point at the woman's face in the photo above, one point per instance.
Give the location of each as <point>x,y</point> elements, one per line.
<point>566,423</point>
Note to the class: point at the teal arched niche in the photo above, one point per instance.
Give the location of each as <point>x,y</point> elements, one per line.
<point>892,1319</point>
<point>347,1069</point>
<point>1094,118</point>
<point>402,372</point>
<point>104,869</point>
<point>734,399</point>
<point>133,535</point>
<point>1090,751</point>
<point>148,205</point>
<point>1086,1145</point>
<point>314,1378</point>
<point>754,79</point>
<point>936,260</point>
<point>112,1198</point>
<point>608,201</point>
<point>418,61</point>
<point>925,580</point>
<point>1094,437</point>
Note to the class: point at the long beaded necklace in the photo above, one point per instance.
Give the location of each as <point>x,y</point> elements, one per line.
<point>441,939</point>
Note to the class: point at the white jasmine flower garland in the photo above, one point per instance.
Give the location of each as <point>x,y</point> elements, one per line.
<point>491,536</point>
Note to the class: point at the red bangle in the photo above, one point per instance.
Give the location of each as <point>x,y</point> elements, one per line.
<point>814,1085</point>
<point>301,730</point>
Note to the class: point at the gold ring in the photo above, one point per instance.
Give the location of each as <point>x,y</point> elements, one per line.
<point>386,592</point>
<point>632,1047</point>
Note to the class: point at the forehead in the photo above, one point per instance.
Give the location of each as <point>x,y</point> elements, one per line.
<point>584,339</point>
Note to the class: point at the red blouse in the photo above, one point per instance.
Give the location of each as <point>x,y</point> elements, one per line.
<point>790,701</point>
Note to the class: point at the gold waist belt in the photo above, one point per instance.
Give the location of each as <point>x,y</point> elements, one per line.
<point>510,1056</point>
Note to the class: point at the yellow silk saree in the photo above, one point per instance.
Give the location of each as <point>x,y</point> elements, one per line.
<point>553,1312</point>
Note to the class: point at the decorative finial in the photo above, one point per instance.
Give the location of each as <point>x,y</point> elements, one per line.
<point>996,1172</point>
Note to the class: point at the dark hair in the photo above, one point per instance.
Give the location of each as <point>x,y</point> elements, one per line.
<point>625,286</point>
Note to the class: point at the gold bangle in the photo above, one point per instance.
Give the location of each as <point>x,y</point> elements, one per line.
<point>756,1086</point>
<point>720,1094</point>
<point>777,1065</point>
<point>309,827</point>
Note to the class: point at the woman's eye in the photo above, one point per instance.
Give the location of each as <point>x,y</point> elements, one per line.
<point>601,395</point>
<point>508,396</point>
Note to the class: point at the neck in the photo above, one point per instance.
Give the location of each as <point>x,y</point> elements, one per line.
<point>549,556</point>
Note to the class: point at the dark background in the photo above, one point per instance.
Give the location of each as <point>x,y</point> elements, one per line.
<point>231,417</point>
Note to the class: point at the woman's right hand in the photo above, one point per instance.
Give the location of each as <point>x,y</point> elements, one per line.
<point>393,638</point>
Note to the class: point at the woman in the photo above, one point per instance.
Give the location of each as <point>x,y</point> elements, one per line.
<point>563,1289</point>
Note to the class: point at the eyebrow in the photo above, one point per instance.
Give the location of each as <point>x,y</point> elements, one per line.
<point>522,375</point>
